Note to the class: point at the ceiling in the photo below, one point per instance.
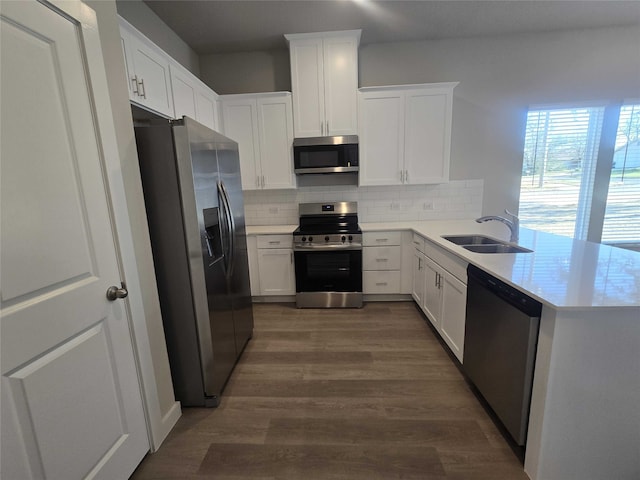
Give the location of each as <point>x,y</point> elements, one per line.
<point>216,26</point>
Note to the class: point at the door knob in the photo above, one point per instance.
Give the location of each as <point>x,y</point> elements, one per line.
<point>113,292</point>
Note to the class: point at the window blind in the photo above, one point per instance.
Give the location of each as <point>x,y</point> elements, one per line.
<point>622,214</point>
<point>557,170</point>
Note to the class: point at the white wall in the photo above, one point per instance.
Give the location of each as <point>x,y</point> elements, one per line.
<point>144,19</point>
<point>499,78</point>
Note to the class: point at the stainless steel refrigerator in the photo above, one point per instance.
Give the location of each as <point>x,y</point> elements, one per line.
<point>193,197</point>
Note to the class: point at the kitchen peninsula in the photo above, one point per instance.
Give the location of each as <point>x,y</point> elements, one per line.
<point>585,411</point>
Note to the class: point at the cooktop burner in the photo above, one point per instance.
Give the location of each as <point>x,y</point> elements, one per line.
<point>329,224</point>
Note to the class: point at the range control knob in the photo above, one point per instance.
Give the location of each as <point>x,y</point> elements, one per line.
<point>343,239</point>
<point>351,238</point>
<point>326,239</point>
<point>311,239</point>
<point>304,239</point>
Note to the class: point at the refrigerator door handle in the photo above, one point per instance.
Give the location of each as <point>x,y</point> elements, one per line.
<point>228,213</point>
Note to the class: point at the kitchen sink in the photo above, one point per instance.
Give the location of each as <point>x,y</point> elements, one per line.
<point>471,240</point>
<point>483,244</point>
<point>497,248</point>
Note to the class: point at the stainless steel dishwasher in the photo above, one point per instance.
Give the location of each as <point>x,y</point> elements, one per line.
<point>501,335</point>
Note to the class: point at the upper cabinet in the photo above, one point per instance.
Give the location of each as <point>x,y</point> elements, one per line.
<point>148,76</point>
<point>324,82</point>
<point>159,83</point>
<point>193,98</point>
<point>405,134</point>
<point>262,124</point>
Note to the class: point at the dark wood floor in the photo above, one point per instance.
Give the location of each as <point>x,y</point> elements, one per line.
<point>339,394</point>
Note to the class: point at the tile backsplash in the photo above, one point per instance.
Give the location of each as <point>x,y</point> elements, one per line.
<point>460,199</point>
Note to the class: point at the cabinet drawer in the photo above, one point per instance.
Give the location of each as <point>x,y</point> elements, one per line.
<point>372,239</point>
<point>275,241</point>
<point>450,262</point>
<point>381,258</point>
<point>381,282</point>
<point>418,242</point>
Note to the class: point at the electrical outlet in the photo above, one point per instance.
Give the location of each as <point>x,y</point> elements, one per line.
<point>395,206</point>
<point>273,210</point>
<point>427,206</point>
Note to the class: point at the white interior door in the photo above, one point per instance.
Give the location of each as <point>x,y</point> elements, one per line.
<point>71,402</point>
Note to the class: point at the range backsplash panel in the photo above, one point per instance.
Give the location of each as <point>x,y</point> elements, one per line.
<point>460,199</point>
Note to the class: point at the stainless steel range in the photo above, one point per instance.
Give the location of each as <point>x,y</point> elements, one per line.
<point>328,256</point>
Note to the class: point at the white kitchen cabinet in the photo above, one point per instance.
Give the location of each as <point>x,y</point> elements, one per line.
<point>148,75</point>
<point>254,268</point>
<point>324,82</point>
<point>275,265</point>
<point>440,294</point>
<point>262,124</point>
<point>193,98</point>
<point>381,262</point>
<point>405,134</point>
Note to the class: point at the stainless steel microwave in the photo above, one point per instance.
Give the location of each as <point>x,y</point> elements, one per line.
<point>325,154</point>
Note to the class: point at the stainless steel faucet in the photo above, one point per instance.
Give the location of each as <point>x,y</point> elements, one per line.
<point>513,223</point>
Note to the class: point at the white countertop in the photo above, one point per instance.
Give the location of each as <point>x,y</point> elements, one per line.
<point>560,272</point>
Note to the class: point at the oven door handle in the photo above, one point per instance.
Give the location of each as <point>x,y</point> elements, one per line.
<point>326,248</point>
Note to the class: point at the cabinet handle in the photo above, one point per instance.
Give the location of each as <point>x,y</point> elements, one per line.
<point>401,176</point>
<point>327,127</point>
<point>135,85</point>
<point>274,242</point>
<point>406,176</point>
<point>380,284</point>
<point>382,259</point>
<point>382,239</point>
<point>262,181</point>
<point>435,284</point>
<point>258,181</point>
<point>144,92</point>
<point>291,256</point>
<point>419,263</point>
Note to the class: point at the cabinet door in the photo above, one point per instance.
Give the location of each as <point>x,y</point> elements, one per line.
<point>241,125</point>
<point>277,275</point>
<point>454,300</point>
<point>340,85</point>
<point>381,124</point>
<point>184,93</point>
<point>419,278</point>
<point>432,298</point>
<point>427,137</point>
<point>307,80</point>
<point>153,77</point>
<point>127,51</point>
<point>206,108</point>
<point>275,124</point>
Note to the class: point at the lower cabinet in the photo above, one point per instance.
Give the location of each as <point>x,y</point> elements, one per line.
<point>441,295</point>
<point>276,274</point>
<point>381,262</point>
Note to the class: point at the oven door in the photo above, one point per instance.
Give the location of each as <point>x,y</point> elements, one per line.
<point>328,270</point>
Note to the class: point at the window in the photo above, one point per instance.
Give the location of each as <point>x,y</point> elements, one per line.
<point>622,215</point>
<point>563,152</point>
